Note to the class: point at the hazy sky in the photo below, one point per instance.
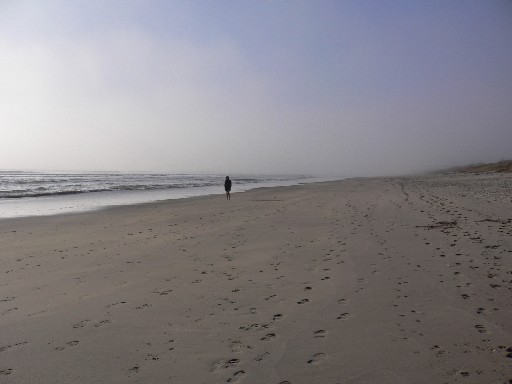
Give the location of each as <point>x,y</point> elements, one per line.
<point>312,87</point>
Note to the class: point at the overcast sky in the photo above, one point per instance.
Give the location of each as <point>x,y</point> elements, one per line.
<point>311,87</point>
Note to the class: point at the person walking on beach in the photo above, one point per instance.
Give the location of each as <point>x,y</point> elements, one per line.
<point>227,187</point>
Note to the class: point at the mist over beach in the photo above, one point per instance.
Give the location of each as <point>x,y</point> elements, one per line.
<point>353,88</point>
<point>282,192</point>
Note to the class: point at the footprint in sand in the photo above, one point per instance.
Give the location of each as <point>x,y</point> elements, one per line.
<point>162,292</point>
<point>268,337</point>
<point>116,304</point>
<point>81,324</point>
<point>344,316</point>
<point>236,376</point>
<point>67,345</point>
<point>252,327</point>
<point>232,362</point>
<point>303,301</point>
<point>10,298</point>
<point>320,333</point>
<point>481,311</point>
<point>224,364</point>
<point>102,323</point>
<point>7,347</point>
<point>5,372</point>
<point>152,357</point>
<point>481,328</point>
<point>7,311</point>
<point>135,369</point>
<point>37,313</point>
<point>317,358</point>
<point>261,356</point>
<point>277,316</point>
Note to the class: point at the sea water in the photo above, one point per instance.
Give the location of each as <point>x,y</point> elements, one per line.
<point>30,193</point>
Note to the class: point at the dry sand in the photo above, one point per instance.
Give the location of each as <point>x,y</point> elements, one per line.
<point>403,280</point>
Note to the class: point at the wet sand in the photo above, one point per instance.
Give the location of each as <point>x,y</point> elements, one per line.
<point>398,280</point>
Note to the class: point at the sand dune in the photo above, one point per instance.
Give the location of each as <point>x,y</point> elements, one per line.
<point>498,167</point>
<point>402,280</point>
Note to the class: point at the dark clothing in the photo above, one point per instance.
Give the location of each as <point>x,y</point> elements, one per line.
<point>227,185</point>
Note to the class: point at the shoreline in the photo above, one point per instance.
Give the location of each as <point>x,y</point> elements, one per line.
<point>135,208</point>
<point>388,280</point>
<point>93,201</point>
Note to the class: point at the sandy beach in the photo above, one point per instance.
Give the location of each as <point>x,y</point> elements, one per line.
<point>379,280</point>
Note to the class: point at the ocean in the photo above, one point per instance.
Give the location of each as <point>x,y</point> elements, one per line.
<point>30,193</point>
